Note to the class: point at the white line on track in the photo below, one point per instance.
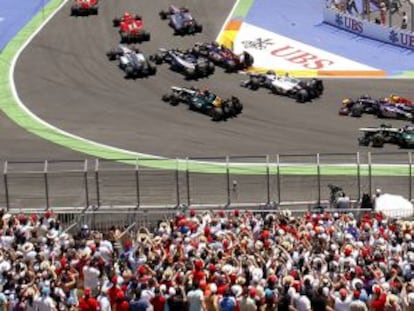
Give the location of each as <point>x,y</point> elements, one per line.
<point>227,19</point>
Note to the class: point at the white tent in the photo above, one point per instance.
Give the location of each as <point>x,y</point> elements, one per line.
<point>394,206</point>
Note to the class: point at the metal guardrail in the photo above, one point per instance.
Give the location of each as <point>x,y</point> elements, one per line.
<point>280,180</point>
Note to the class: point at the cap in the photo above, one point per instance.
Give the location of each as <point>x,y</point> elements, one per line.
<point>88,291</point>
<point>253,292</point>
<point>343,292</point>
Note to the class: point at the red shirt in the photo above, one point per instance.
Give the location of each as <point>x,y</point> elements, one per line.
<point>88,304</point>
<point>113,293</point>
<point>158,302</point>
<point>378,304</point>
<point>122,306</point>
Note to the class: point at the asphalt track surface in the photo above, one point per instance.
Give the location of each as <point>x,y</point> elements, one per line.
<point>64,77</point>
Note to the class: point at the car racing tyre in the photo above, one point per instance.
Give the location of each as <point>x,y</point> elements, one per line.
<point>174,100</point>
<point>211,68</point>
<point>191,73</point>
<point>73,11</point>
<point>216,114</point>
<point>254,83</point>
<point>124,37</point>
<point>116,21</point>
<point>378,141</point>
<point>198,27</point>
<point>356,111</point>
<point>129,72</point>
<point>156,58</point>
<point>152,69</point>
<point>226,109</point>
<point>364,141</point>
<point>94,10</point>
<point>236,105</point>
<point>163,14</point>
<point>302,96</point>
<point>231,66</point>
<point>146,36</point>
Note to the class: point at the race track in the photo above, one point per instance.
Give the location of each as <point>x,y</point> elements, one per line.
<point>63,76</point>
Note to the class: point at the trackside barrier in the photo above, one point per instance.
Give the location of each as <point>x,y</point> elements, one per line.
<point>390,32</point>
<point>284,180</point>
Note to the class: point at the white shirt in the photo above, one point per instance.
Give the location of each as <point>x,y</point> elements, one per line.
<point>343,305</point>
<point>44,303</point>
<point>104,303</point>
<point>303,303</point>
<point>195,298</point>
<point>91,277</point>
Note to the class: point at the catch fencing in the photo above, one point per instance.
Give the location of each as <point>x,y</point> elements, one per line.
<point>370,10</point>
<point>291,181</point>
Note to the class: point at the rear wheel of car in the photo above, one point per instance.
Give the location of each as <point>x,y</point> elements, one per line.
<point>198,27</point>
<point>116,21</point>
<point>254,83</point>
<point>237,105</point>
<point>210,68</point>
<point>216,114</point>
<point>231,66</point>
<point>163,15</point>
<point>226,109</point>
<point>156,58</point>
<point>302,96</point>
<point>356,111</point>
<point>364,141</point>
<point>190,73</point>
<point>152,69</point>
<point>129,72</point>
<point>73,11</point>
<point>146,36</point>
<point>174,100</point>
<point>94,10</point>
<point>378,141</point>
<point>124,37</point>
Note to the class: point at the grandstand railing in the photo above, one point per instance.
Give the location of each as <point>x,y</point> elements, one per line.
<point>283,180</point>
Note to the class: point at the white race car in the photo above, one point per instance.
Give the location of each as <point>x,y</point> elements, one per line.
<point>285,85</point>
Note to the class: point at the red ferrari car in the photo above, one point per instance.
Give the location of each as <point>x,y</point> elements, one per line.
<point>127,17</point>
<point>84,7</point>
<point>131,29</point>
<point>395,99</point>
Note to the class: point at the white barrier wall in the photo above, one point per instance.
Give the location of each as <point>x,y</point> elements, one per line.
<point>368,29</point>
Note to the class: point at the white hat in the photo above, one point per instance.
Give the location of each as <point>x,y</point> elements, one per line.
<point>171,291</point>
<point>27,247</point>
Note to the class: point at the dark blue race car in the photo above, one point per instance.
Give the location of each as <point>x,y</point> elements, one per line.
<point>185,62</point>
<point>181,20</point>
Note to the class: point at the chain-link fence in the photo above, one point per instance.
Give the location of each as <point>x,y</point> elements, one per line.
<point>294,180</point>
<point>390,13</point>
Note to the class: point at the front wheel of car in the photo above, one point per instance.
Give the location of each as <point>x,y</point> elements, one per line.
<point>163,14</point>
<point>198,28</point>
<point>356,111</point>
<point>302,96</point>
<point>237,105</point>
<point>129,72</point>
<point>254,84</point>
<point>378,141</point>
<point>216,114</point>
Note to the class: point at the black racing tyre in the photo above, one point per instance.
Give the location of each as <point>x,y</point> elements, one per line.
<point>226,109</point>
<point>166,97</point>
<point>94,10</point>
<point>216,114</point>
<point>157,58</point>
<point>190,73</point>
<point>73,11</point>
<point>146,36</point>
<point>163,14</point>
<point>124,37</point>
<point>129,72</point>
<point>116,21</point>
<point>356,111</point>
<point>248,59</point>
<point>237,106</point>
<point>364,141</point>
<point>138,17</point>
<point>174,100</point>
<point>231,66</point>
<point>211,68</point>
<point>198,27</point>
<point>302,96</point>
<point>152,69</point>
<point>215,58</point>
<point>378,141</point>
<point>254,83</point>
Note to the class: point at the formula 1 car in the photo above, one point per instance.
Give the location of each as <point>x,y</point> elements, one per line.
<point>186,62</point>
<point>382,108</point>
<point>181,20</point>
<point>131,29</point>
<point>132,62</point>
<point>223,56</point>
<point>285,85</point>
<point>84,8</point>
<point>204,101</point>
<point>126,18</point>
<point>395,99</point>
<point>385,133</point>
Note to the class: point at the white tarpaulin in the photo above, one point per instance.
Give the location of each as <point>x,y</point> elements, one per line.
<point>394,205</point>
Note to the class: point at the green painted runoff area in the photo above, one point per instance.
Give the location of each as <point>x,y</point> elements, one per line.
<point>17,113</point>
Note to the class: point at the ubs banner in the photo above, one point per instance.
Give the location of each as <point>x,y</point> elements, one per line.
<point>368,29</point>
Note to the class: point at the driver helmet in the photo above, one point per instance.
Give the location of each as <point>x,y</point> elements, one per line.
<point>270,72</point>
<point>394,98</point>
<point>346,101</point>
<point>127,16</point>
<point>287,74</point>
<point>215,44</point>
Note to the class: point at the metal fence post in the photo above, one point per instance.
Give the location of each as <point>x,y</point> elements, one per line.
<point>410,165</point>
<point>268,178</point>
<point>358,175</point>
<point>85,179</point>
<point>187,173</point>
<point>228,180</point>
<point>278,178</point>
<point>318,172</point>
<point>137,182</point>
<point>6,185</point>
<point>98,194</point>
<point>45,176</point>
<point>369,174</point>
<point>177,182</point>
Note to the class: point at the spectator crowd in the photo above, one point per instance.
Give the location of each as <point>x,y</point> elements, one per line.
<point>211,261</point>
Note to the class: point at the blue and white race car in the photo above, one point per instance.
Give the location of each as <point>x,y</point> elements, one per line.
<point>185,62</point>
<point>181,20</point>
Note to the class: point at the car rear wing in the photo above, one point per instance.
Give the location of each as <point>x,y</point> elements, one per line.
<point>379,129</point>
